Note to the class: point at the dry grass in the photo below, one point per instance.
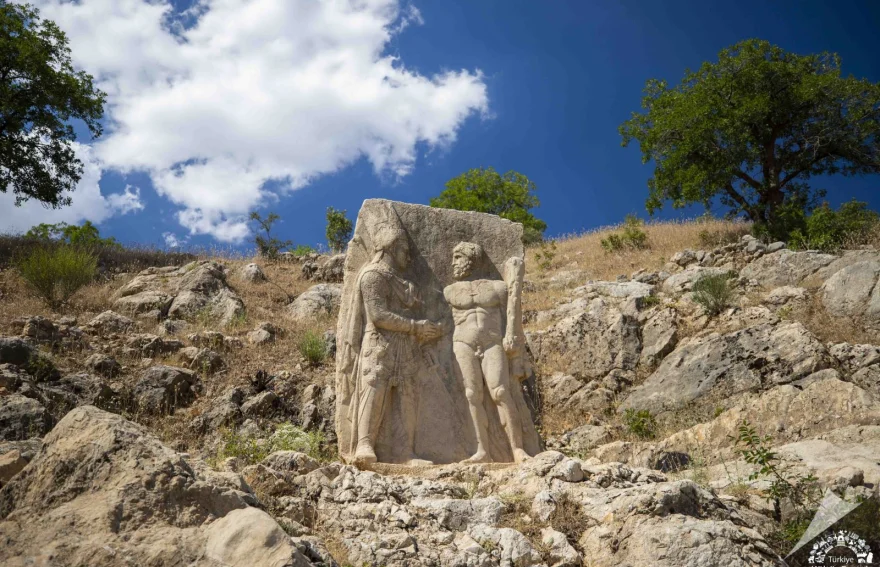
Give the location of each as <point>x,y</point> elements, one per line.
<point>584,252</point>
<point>828,328</point>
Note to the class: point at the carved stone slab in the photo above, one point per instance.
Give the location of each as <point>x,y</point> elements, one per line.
<point>440,427</point>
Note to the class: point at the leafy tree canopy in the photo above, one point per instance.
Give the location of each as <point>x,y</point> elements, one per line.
<point>85,234</point>
<point>40,92</point>
<point>509,196</point>
<point>339,229</point>
<point>752,128</point>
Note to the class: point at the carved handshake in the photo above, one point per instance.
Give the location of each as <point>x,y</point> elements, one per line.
<point>428,330</point>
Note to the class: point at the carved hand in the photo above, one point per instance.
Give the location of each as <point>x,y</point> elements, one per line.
<point>511,344</point>
<point>428,330</point>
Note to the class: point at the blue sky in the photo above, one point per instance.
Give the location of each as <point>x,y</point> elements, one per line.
<point>546,85</point>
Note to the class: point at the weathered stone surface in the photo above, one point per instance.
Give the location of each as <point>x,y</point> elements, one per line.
<point>329,269</point>
<point>14,350</point>
<point>584,438</point>
<point>249,536</point>
<point>103,365</point>
<point>319,300</point>
<point>40,329</point>
<point>264,333</point>
<point>620,289</point>
<point>593,343</point>
<point>659,336</point>
<point>22,418</point>
<point>153,345</point>
<point>414,276</point>
<point>785,267</point>
<point>786,412</point>
<point>131,497</point>
<point>110,322</point>
<point>252,273</point>
<point>854,357</point>
<point>196,288</point>
<point>749,359</point>
<point>785,294</point>
<point>853,292</point>
<point>164,388</point>
<point>685,280</point>
<point>688,523</point>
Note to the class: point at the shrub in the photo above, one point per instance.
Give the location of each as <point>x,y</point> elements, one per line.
<point>713,293</point>
<point>244,447</point>
<point>640,423</point>
<point>545,254</point>
<point>301,250</point>
<point>268,246</point>
<point>288,437</point>
<point>801,491</point>
<point>312,347</point>
<point>829,230</point>
<point>57,273</point>
<point>339,230</point>
<point>631,237</point>
<point>86,234</point>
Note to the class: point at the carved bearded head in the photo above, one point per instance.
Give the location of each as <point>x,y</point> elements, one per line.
<point>465,258</point>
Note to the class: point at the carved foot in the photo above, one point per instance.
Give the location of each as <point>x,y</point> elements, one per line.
<point>364,455</point>
<point>481,456</point>
<point>519,456</point>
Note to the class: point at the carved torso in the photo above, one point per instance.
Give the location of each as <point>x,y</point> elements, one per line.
<point>478,309</point>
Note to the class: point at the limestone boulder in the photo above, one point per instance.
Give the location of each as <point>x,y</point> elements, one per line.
<point>592,343</point>
<point>785,267</point>
<point>788,413</point>
<point>319,300</point>
<point>109,322</point>
<point>249,536</point>
<point>252,273</point>
<point>749,359</point>
<point>103,488</point>
<point>667,524</point>
<point>329,269</point>
<point>622,290</point>
<point>103,365</point>
<point>161,389</point>
<point>22,418</point>
<point>17,351</point>
<point>659,336</point>
<point>853,292</point>
<point>179,293</point>
<point>685,280</point>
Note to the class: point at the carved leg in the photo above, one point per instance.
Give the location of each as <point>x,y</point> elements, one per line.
<point>371,412</point>
<point>409,412</point>
<point>498,380</point>
<point>469,366</point>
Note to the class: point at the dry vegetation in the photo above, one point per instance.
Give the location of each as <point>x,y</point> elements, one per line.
<point>583,255</point>
<point>265,302</point>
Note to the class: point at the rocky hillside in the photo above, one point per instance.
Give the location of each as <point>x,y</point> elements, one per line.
<point>183,415</point>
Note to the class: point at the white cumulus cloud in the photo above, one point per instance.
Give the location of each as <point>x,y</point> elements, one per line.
<point>87,201</point>
<point>232,101</point>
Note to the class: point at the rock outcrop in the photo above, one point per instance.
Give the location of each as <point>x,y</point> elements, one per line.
<point>103,490</point>
<point>196,288</point>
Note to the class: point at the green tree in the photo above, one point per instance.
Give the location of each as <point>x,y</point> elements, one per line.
<point>509,196</point>
<point>339,229</point>
<point>86,234</point>
<point>40,92</point>
<point>752,128</point>
<point>268,245</point>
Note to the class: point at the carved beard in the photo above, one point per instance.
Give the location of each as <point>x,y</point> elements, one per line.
<point>461,271</point>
